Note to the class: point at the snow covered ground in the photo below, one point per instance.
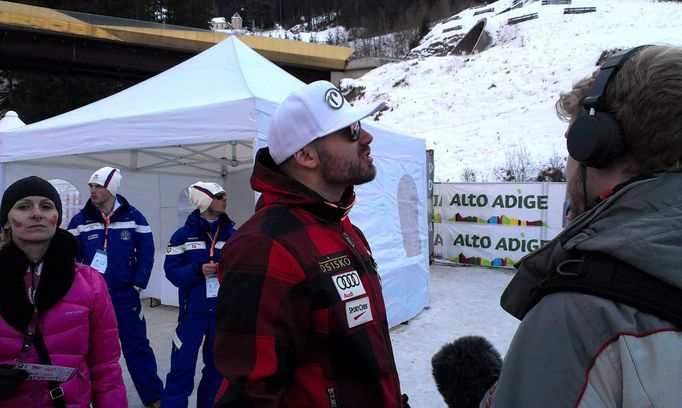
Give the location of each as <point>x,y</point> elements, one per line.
<point>464,301</point>
<point>474,110</point>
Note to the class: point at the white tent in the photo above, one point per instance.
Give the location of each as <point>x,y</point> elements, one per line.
<point>200,120</point>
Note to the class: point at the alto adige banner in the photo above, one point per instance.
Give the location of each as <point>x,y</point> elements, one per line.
<point>494,224</point>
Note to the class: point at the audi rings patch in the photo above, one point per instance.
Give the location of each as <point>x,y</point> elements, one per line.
<point>349,285</point>
<point>358,311</point>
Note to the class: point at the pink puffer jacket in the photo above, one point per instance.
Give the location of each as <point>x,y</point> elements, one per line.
<point>80,331</point>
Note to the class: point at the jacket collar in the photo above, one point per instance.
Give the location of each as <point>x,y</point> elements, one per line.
<point>640,224</point>
<point>55,280</point>
<point>92,211</point>
<point>195,219</point>
<point>280,189</point>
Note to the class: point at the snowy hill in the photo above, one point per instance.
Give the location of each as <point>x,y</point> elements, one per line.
<point>475,110</point>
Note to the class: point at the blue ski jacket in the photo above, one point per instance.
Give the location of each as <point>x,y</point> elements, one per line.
<point>188,249</point>
<point>130,245</point>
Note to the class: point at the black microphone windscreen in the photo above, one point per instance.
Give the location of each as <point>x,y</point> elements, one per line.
<point>465,369</point>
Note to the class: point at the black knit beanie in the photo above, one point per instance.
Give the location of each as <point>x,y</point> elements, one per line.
<point>29,186</point>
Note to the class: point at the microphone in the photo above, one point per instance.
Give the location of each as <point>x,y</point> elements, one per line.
<point>465,369</point>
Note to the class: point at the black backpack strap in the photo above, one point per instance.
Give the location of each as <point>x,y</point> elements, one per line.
<point>607,277</point>
<point>55,389</point>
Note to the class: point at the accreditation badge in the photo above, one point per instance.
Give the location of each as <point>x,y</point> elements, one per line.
<point>99,261</point>
<point>212,286</point>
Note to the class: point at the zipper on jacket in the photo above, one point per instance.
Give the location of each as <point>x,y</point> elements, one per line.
<point>384,331</point>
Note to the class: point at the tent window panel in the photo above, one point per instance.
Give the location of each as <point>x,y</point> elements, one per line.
<point>408,210</point>
<point>71,200</point>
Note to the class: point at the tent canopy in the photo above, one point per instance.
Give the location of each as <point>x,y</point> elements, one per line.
<point>176,122</point>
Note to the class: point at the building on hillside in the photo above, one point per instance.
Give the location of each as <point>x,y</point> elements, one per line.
<point>219,23</point>
<point>233,27</point>
<point>236,21</point>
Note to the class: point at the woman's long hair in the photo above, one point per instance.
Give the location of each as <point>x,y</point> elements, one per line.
<point>6,236</point>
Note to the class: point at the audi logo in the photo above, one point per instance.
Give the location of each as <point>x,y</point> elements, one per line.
<point>347,281</point>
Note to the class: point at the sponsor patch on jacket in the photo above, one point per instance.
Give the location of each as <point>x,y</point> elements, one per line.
<point>195,245</point>
<point>125,235</point>
<point>358,311</point>
<point>334,262</point>
<point>90,226</point>
<point>349,285</point>
<point>92,236</point>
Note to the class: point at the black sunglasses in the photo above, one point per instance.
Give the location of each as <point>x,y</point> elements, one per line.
<point>355,128</point>
<point>219,196</point>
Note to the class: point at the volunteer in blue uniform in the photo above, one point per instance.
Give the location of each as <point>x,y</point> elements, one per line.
<point>116,240</point>
<point>191,265</point>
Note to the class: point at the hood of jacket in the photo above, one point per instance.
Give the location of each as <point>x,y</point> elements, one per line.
<point>641,225</point>
<point>279,189</point>
<point>56,279</point>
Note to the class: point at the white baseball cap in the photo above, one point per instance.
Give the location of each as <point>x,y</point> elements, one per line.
<point>107,177</point>
<point>318,109</point>
<point>201,194</point>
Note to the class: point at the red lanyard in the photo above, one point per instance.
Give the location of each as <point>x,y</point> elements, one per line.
<point>31,281</point>
<point>213,241</point>
<point>107,221</point>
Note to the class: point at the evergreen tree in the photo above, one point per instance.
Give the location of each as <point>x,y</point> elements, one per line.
<point>190,13</point>
<point>41,95</point>
<point>424,28</point>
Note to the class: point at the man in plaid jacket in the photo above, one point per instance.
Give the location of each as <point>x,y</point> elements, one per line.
<point>301,320</point>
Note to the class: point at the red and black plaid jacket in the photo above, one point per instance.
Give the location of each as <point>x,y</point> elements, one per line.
<point>301,319</point>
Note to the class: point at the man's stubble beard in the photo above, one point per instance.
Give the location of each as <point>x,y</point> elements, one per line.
<point>345,171</point>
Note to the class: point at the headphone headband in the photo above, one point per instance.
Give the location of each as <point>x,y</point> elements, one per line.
<point>607,71</point>
<point>596,139</point>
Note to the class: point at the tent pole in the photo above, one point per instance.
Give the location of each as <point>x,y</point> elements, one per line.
<point>133,159</point>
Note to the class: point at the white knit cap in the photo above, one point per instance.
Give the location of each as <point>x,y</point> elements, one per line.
<point>318,109</point>
<point>107,177</point>
<point>201,194</point>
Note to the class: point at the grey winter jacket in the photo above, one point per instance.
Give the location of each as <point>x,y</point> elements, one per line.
<point>579,350</point>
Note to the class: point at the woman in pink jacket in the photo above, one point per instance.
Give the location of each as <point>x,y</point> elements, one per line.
<point>53,311</point>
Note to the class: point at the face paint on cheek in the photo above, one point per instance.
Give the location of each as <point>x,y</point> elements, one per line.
<point>17,224</point>
<point>53,220</point>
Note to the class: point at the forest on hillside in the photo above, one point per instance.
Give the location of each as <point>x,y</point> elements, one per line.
<point>374,16</point>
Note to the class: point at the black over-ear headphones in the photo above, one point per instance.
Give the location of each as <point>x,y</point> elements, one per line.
<point>596,139</point>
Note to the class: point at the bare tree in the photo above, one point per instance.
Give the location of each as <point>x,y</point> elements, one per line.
<point>469,175</point>
<point>519,165</point>
<point>553,170</point>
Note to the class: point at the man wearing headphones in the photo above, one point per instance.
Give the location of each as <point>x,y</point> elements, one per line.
<point>600,308</point>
